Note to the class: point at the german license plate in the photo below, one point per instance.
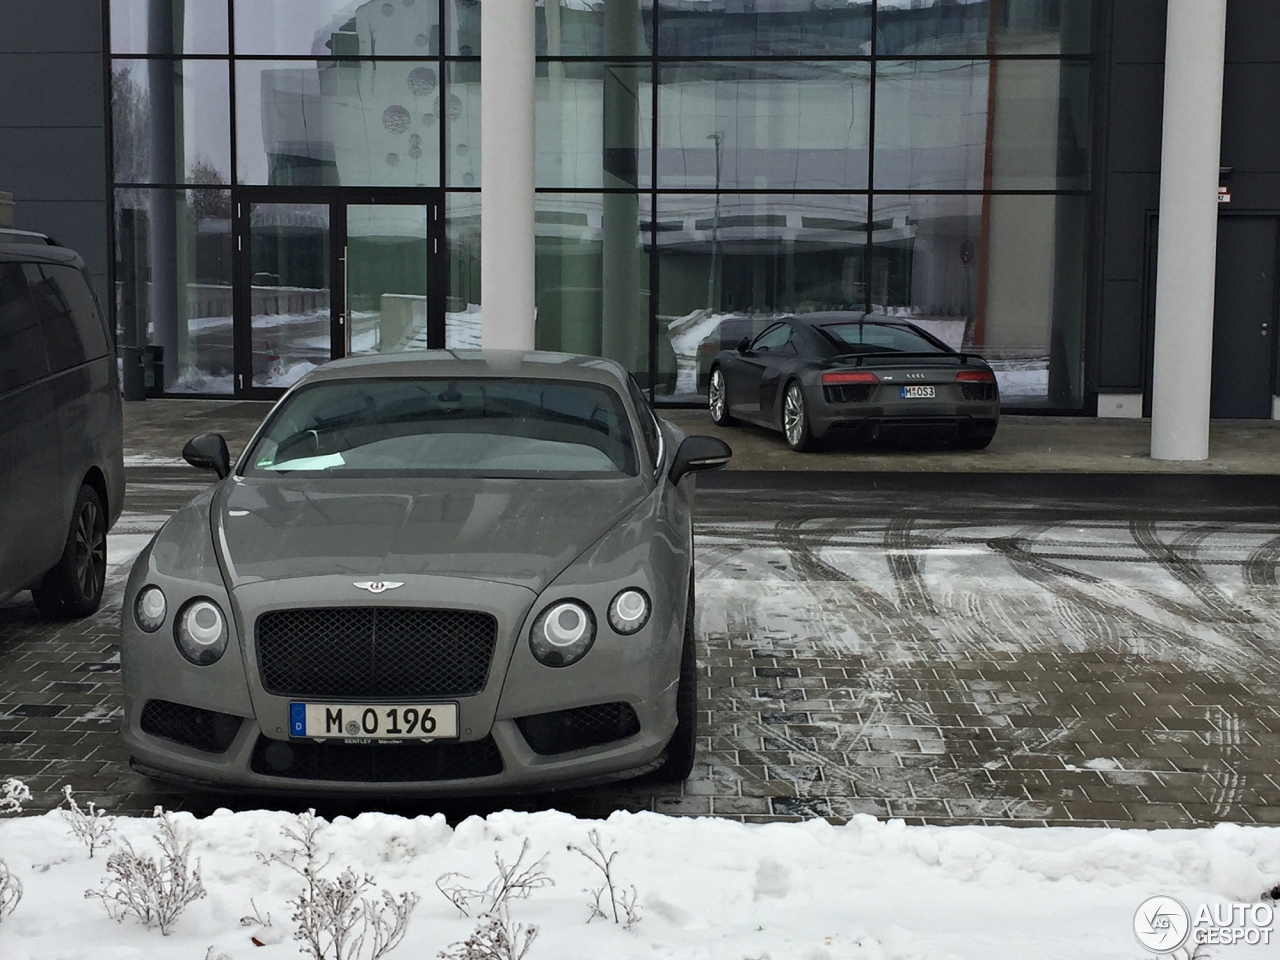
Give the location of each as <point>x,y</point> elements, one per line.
<point>923,392</point>
<point>371,721</point>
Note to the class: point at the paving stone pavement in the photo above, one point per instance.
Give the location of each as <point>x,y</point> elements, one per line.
<point>912,650</point>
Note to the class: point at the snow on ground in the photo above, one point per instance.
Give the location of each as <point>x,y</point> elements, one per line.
<point>707,888</point>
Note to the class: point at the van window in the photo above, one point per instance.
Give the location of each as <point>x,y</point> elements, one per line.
<point>22,354</point>
<point>70,339</point>
<point>78,295</point>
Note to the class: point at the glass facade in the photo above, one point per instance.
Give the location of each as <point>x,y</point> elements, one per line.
<point>702,167</point>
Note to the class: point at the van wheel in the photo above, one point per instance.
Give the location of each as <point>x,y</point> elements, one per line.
<point>73,588</point>
<point>682,747</point>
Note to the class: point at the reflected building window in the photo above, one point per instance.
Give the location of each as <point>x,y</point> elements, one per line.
<point>728,126</point>
<point>729,265</point>
<point>174,286</point>
<point>1000,275</point>
<point>338,28</point>
<point>341,123</point>
<point>702,167</point>
<point>592,278</point>
<point>967,27</point>
<point>616,28</point>
<point>981,125</point>
<point>780,28</point>
<point>171,121</point>
<point>168,27</point>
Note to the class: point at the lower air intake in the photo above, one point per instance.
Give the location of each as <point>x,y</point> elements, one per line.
<point>577,729</point>
<point>376,762</point>
<point>190,726</point>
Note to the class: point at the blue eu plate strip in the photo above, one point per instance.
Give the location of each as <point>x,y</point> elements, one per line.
<point>297,719</point>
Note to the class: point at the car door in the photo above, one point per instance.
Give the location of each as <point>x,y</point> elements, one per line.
<point>750,368</point>
<point>30,543</point>
<point>778,362</point>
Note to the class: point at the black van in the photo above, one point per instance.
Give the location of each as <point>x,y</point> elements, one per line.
<point>61,434</point>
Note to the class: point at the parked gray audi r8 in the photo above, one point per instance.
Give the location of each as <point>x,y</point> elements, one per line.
<point>854,375</point>
<point>432,573</point>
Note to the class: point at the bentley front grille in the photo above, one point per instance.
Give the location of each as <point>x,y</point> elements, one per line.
<point>375,652</point>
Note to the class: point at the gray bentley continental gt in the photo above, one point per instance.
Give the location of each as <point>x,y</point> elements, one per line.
<point>434,573</point>
<point>855,375</point>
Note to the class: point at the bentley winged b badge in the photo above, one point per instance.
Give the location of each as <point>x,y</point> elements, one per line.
<point>377,586</point>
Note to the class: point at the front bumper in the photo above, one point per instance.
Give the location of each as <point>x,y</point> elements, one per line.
<point>241,766</point>
<point>222,729</point>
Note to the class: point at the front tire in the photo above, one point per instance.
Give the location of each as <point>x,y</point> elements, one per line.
<point>718,399</point>
<point>73,588</point>
<point>683,745</point>
<point>795,418</point>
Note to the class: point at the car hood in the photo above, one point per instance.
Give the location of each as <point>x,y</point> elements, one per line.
<point>511,531</point>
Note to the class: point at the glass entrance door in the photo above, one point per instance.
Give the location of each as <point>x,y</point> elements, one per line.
<point>334,273</point>
<point>288,296</point>
<point>387,269</point>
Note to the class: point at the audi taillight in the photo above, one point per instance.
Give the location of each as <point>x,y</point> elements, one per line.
<point>975,376</point>
<point>848,376</point>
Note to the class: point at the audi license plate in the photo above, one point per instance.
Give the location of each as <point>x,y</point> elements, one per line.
<point>925,392</point>
<point>368,721</point>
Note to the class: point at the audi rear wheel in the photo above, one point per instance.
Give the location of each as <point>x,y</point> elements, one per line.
<point>795,418</point>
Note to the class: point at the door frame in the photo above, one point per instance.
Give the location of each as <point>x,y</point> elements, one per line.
<point>337,199</point>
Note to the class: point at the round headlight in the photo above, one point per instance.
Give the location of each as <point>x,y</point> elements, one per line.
<point>149,609</point>
<point>629,611</point>
<point>201,631</point>
<point>563,633</point>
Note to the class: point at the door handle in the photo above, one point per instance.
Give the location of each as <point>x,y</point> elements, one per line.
<point>346,305</point>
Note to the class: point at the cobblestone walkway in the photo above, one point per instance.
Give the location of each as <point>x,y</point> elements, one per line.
<point>940,659</point>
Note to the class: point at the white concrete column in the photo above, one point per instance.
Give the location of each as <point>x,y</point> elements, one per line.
<point>1188,229</point>
<point>506,175</point>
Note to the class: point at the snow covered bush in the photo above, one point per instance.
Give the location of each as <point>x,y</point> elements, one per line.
<point>497,937</point>
<point>515,881</point>
<point>13,794</point>
<point>10,891</point>
<point>335,920</point>
<point>154,891</point>
<point>91,825</point>
<point>622,903</point>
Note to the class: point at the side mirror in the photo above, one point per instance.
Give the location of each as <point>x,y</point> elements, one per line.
<point>208,452</point>
<point>697,454</point>
<point>744,345</point>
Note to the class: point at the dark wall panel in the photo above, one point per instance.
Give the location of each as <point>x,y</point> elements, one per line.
<point>51,90</point>
<point>53,163</point>
<point>51,26</point>
<point>52,128</point>
<point>1130,197</point>
<point>1137,31</point>
<point>1123,341</point>
<point>1137,112</point>
<point>1131,186</point>
<point>1251,115</point>
<point>1253,31</point>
